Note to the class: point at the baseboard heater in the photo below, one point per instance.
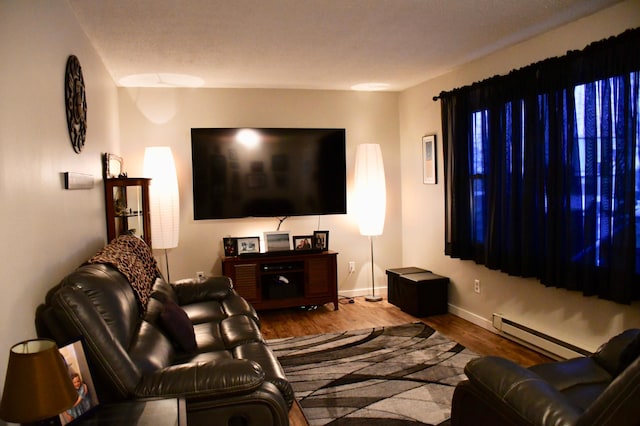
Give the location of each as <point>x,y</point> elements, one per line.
<point>548,345</point>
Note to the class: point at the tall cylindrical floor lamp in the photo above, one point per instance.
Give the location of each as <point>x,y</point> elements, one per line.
<point>164,199</point>
<point>371,198</point>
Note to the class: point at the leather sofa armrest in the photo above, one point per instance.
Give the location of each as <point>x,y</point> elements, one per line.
<point>619,401</point>
<point>526,393</point>
<point>191,291</point>
<point>217,378</point>
<point>616,354</point>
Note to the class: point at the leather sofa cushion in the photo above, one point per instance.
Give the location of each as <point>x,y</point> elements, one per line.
<point>150,350</point>
<point>564,375</point>
<point>206,311</point>
<point>205,357</point>
<point>234,304</point>
<point>163,288</point>
<point>154,308</point>
<point>110,295</point>
<point>214,288</point>
<point>239,329</point>
<point>208,337</point>
<point>581,380</point>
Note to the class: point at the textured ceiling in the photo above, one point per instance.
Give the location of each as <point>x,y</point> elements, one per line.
<point>312,44</point>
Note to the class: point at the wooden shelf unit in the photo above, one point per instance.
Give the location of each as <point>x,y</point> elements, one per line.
<point>127,207</point>
<point>294,278</point>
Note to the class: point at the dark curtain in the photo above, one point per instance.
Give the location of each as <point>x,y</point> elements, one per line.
<point>517,197</point>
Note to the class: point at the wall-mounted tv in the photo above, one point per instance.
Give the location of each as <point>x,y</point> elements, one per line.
<point>268,172</point>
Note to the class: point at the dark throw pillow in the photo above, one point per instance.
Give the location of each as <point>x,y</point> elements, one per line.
<point>177,325</point>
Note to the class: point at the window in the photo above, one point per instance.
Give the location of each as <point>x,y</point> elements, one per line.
<point>542,171</point>
<point>598,169</point>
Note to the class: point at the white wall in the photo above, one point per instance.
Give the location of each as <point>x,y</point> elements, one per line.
<point>45,230</point>
<point>165,116</point>
<point>586,322</point>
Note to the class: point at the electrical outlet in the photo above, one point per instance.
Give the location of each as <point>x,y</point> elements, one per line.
<point>352,267</point>
<point>476,286</point>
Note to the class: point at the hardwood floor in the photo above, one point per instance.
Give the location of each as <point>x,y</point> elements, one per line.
<point>362,314</point>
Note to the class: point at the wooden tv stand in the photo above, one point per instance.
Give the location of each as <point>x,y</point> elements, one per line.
<point>284,280</point>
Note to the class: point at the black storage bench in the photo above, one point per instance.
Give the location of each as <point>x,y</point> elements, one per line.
<point>417,291</point>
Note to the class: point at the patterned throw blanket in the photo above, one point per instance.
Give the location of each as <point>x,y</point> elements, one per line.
<point>133,258</point>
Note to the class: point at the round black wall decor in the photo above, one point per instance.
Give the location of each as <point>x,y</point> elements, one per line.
<point>76,104</point>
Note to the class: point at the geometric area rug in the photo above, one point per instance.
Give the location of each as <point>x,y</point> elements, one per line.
<point>392,376</point>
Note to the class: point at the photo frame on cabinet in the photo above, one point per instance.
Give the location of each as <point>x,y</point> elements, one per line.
<point>277,241</point>
<point>303,242</point>
<point>113,166</point>
<point>429,166</point>
<point>248,245</point>
<point>230,245</point>
<point>321,240</point>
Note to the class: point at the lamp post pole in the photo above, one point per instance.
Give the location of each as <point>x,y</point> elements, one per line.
<point>372,297</point>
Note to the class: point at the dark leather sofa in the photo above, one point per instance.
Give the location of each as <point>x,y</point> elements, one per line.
<point>598,390</point>
<point>197,340</point>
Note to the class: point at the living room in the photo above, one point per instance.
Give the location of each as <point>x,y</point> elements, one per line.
<point>56,230</point>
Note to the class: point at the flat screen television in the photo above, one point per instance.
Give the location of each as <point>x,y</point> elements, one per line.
<point>268,172</point>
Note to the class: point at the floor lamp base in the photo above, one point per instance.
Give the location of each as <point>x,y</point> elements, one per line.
<point>373,298</point>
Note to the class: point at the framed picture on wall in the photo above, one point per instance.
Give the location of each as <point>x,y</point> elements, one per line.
<point>429,168</point>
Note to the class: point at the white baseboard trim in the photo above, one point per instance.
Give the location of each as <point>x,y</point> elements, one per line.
<point>472,318</point>
<point>453,309</point>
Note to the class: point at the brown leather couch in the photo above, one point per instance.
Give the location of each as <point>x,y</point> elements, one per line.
<point>599,390</point>
<point>197,340</point>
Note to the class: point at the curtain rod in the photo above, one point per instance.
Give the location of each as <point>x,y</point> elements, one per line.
<point>628,35</point>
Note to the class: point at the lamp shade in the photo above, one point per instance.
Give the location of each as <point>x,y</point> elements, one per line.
<point>370,189</point>
<point>164,198</point>
<point>37,384</point>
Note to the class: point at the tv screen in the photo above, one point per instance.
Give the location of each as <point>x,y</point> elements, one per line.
<point>268,172</point>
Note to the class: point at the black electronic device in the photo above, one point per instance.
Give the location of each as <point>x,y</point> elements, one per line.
<point>282,266</point>
<point>268,172</point>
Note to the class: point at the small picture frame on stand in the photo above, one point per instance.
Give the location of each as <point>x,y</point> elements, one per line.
<point>303,242</point>
<point>113,167</point>
<point>277,241</point>
<point>248,245</point>
<point>230,245</point>
<point>78,369</point>
<point>321,240</point>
